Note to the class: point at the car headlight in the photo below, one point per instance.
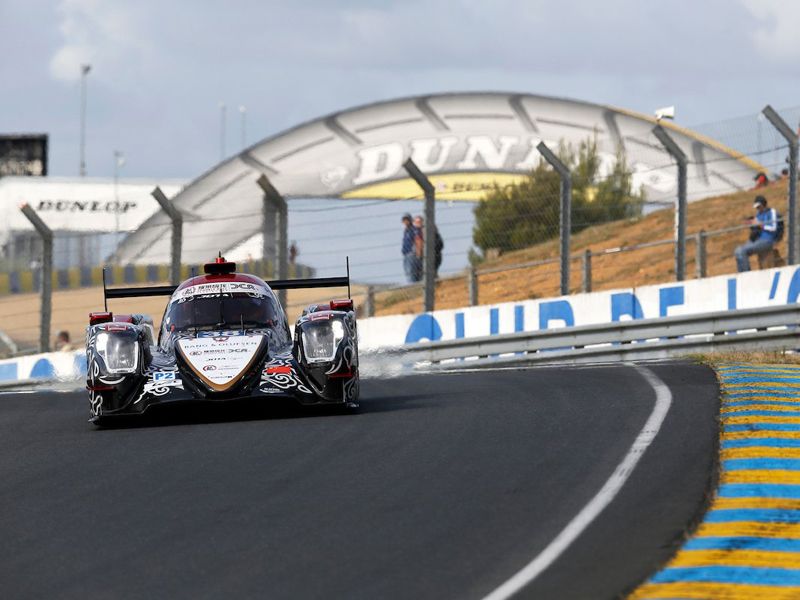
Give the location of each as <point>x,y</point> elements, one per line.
<point>119,352</point>
<point>321,339</point>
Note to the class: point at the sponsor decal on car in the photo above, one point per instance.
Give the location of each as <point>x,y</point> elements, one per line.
<point>222,334</point>
<point>213,289</point>
<point>220,360</point>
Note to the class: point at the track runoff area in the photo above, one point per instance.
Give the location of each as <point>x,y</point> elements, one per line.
<point>526,483</point>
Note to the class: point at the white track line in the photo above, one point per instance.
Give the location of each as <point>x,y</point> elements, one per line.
<point>602,499</point>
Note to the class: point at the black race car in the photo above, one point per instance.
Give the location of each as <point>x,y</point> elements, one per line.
<point>224,336</point>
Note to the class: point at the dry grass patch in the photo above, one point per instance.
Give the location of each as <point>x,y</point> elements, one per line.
<point>757,357</point>
<point>626,269</point>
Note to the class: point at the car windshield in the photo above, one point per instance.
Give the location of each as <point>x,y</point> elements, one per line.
<point>222,311</point>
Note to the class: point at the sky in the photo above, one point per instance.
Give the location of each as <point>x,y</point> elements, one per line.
<point>160,69</point>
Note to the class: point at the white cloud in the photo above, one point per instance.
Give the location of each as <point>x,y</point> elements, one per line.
<point>776,35</point>
<point>98,32</point>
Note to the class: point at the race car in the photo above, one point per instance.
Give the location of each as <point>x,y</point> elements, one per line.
<point>223,336</point>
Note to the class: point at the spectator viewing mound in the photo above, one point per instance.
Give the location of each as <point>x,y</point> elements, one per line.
<point>724,218</point>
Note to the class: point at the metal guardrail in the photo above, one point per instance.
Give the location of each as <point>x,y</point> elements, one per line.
<point>22,383</point>
<point>767,328</point>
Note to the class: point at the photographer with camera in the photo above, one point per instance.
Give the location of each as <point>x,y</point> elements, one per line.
<point>766,228</point>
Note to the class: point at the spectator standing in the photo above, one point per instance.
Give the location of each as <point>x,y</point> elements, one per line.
<point>408,249</point>
<point>419,245</point>
<point>765,233</point>
<point>419,224</point>
<point>62,343</point>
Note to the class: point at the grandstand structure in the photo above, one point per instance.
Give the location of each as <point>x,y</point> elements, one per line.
<point>88,215</point>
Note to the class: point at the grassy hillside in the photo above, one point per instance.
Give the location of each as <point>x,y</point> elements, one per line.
<point>624,269</point>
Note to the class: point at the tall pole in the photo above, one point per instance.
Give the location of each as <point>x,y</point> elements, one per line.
<point>275,205</point>
<point>222,115</point>
<point>429,233</point>
<point>791,137</point>
<point>680,209</point>
<point>119,160</point>
<point>177,233</point>
<point>47,275</point>
<point>84,72</point>
<point>565,220</point>
<point>243,113</point>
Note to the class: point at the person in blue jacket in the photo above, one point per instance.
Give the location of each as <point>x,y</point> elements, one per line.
<point>408,249</point>
<point>764,234</point>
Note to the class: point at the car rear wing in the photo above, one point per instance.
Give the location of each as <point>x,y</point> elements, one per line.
<point>275,284</point>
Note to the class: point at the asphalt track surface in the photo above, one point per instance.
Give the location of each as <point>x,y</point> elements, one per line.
<point>443,486</point>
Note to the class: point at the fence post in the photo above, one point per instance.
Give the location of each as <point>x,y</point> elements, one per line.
<point>47,275</point>
<point>680,209</point>
<point>791,137</point>
<point>369,302</point>
<point>429,233</point>
<point>700,253</point>
<point>587,271</point>
<point>565,222</point>
<point>275,207</point>
<point>472,286</point>
<point>177,233</point>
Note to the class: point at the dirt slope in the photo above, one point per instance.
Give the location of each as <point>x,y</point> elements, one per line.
<point>624,269</point>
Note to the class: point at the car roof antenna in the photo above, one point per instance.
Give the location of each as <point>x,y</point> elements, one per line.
<point>193,300</point>
<point>347,259</point>
<point>105,298</point>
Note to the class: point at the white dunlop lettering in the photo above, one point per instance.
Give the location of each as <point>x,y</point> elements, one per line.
<point>424,150</point>
<point>379,162</point>
<point>532,158</point>
<point>492,156</point>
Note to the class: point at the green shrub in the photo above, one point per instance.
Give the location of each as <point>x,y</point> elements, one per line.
<point>523,214</point>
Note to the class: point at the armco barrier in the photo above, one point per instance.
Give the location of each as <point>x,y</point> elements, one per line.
<point>37,368</point>
<point>773,287</point>
<point>769,328</point>
<point>760,328</point>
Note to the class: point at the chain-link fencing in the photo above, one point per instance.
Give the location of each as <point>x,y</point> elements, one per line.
<point>503,249</point>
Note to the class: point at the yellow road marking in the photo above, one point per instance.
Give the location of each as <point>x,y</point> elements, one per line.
<point>778,383</point>
<point>778,476</point>
<point>745,420</point>
<point>776,374</point>
<point>727,400</point>
<point>755,435</point>
<point>759,452</point>
<point>749,529</point>
<point>736,558</point>
<point>732,410</point>
<point>784,503</point>
<point>717,591</point>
